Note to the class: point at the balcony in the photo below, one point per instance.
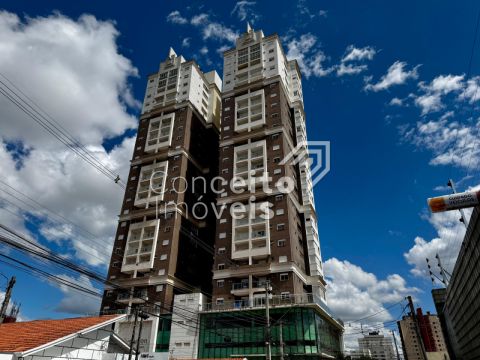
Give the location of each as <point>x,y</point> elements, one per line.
<point>243,288</point>
<point>138,297</point>
<point>275,301</point>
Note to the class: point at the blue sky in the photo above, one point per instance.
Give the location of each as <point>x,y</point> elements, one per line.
<point>388,155</point>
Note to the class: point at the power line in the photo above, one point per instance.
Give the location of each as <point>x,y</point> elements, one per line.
<point>55,129</point>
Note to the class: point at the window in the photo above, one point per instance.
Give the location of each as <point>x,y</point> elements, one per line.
<point>284,277</point>
<point>251,231</point>
<point>167,229</point>
<point>221,250</point>
<point>249,111</point>
<point>279,212</point>
<point>220,283</point>
<point>220,301</point>
<point>151,184</point>
<point>159,288</point>
<point>221,267</point>
<point>275,136</point>
<point>285,295</point>
<point>160,132</point>
<point>276,160</point>
<point>141,244</point>
<point>250,163</point>
<point>223,221</point>
<point>222,235</point>
<point>278,197</point>
<point>165,242</point>
<point>163,257</point>
<point>282,259</point>
<point>281,243</point>
<point>276,147</point>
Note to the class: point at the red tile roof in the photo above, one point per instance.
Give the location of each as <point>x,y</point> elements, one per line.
<point>23,336</point>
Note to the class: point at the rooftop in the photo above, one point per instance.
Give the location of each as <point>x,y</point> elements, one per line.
<point>23,336</point>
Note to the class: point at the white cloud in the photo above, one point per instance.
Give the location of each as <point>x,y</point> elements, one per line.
<point>90,96</point>
<point>396,75</point>
<point>471,90</point>
<point>212,29</point>
<point>355,294</point>
<point>451,142</point>
<point>431,99</point>
<point>204,50</point>
<point>222,49</point>
<point>76,302</point>
<point>396,102</point>
<point>186,42</point>
<point>243,10</point>
<point>450,233</point>
<point>304,11</point>
<point>310,59</point>
<point>350,69</point>
<point>355,54</point>
<point>323,13</point>
<point>176,18</point>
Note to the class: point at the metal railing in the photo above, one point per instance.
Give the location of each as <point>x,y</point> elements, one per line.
<point>275,300</point>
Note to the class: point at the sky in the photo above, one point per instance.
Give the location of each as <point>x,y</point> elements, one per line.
<point>391,85</point>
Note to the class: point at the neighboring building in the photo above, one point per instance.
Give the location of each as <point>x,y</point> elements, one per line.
<point>431,336</point>
<point>84,338</point>
<point>184,329</point>
<point>268,243</point>
<point>379,346</point>
<point>160,249</point>
<point>462,304</point>
<point>439,297</point>
<point>359,354</point>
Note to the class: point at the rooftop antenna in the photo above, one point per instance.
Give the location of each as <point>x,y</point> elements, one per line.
<point>249,28</point>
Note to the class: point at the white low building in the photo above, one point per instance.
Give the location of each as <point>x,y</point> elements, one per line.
<point>91,338</point>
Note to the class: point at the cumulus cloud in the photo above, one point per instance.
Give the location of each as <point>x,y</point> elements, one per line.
<point>355,54</point>
<point>310,59</point>
<point>431,98</point>
<point>75,302</point>
<point>213,30</point>
<point>355,294</point>
<point>396,102</point>
<point>176,18</point>
<point>396,75</point>
<point>449,141</point>
<point>90,96</point>
<point>447,242</point>
<point>186,42</point>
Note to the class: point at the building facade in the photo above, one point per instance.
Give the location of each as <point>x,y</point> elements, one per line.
<point>160,248</point>
<point>379,346</point>
<point>430,334</point>
<point>267,245</point>
<point>462,304</point>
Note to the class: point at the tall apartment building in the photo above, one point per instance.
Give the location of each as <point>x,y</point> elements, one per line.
<point>430,334</point>
<point>462,303</point>
<point>379,346</point>
<point>160,249</point>
<point>266,243</point>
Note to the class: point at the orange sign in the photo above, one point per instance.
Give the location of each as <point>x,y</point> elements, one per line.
<point>454,201</point>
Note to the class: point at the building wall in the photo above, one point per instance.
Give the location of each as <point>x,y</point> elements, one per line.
<point>462,305</point>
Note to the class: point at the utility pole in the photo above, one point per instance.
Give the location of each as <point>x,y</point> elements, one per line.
<point>6,300</point>
<point>267,310</point>
<point>396,346</point>
<point>451,184</point>
<point>281,341</point>
<point>142,317</point>
<point>417,327</point>
<point>132,339</point>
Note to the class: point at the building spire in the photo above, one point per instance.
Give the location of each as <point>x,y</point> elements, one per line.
<point>172,53</point>
<point>249,28</point>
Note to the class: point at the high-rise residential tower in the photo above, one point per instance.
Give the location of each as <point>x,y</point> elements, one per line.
<point>267,245</point>
<point>160,249</point>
